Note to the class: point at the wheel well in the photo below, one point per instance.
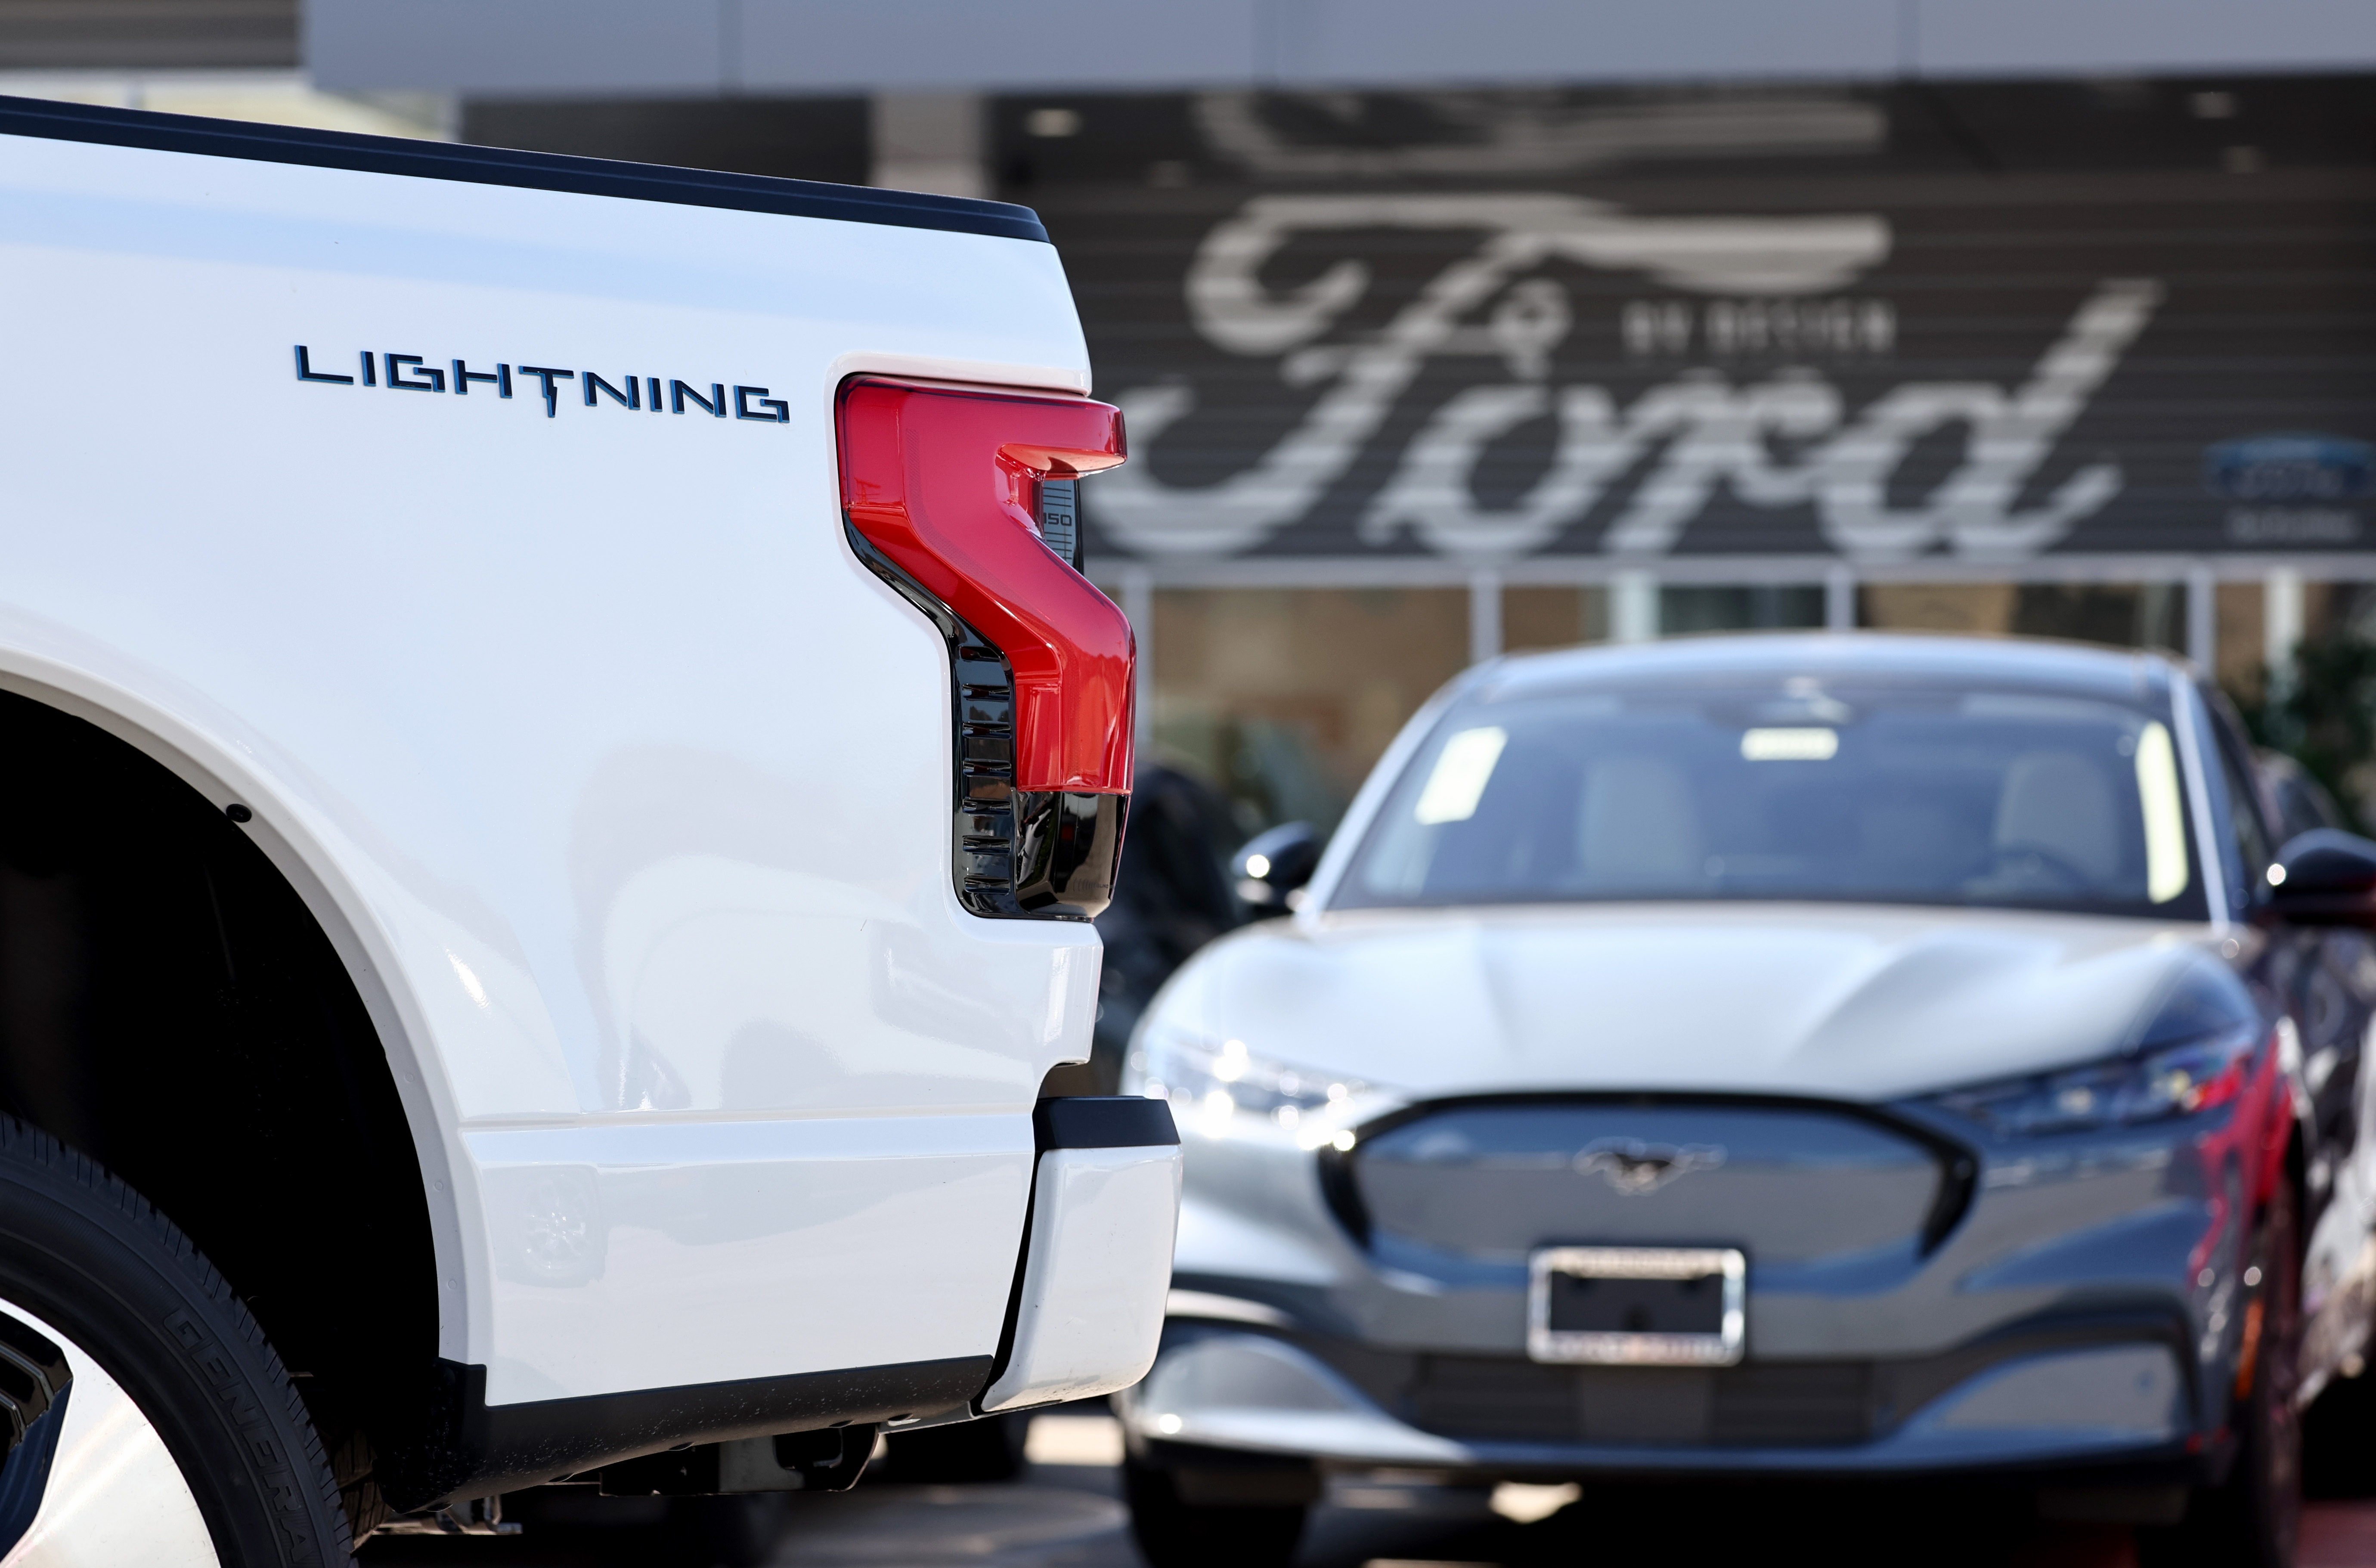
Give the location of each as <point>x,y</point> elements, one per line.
<point>169,1007</point>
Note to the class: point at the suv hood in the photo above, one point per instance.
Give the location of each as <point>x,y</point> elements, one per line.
<point>1852,1001</point>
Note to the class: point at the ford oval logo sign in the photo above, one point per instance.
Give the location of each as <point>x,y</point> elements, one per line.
<point>2287,468</point>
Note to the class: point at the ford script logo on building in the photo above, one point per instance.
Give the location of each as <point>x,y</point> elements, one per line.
<point>1776,436</point>
<point>2288,486</point>
<point>1638,1168</point>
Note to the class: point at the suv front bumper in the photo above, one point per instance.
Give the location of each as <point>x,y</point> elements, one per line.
<point>2068,1395</point>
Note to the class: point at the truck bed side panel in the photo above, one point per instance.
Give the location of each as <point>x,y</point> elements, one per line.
<point>633,781</point>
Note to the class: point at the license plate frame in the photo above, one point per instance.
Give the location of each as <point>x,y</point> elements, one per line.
<point>1610,1348</point>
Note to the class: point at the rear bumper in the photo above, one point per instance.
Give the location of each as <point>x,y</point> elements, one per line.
<point>1087,1312</point>
<point>2097,1400</point>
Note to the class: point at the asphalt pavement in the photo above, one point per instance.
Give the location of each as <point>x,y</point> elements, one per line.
<point>1064,1510</point>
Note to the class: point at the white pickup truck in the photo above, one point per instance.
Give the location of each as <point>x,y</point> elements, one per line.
<point>557,762</point>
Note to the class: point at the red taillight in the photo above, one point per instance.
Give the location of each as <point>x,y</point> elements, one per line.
<point>948,491</point>
<point>942,480</point>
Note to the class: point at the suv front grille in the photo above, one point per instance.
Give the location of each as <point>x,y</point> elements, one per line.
<point>1480,1398</point>
<point>1790,1181</point>
<point>1779,1404</point>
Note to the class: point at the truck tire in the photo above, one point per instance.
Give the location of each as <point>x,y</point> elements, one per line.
<point>87,1261</point>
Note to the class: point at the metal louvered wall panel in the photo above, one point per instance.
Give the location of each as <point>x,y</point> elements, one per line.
<point>1985,323</point>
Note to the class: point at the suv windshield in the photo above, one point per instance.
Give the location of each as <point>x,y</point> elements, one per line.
<point>1794,789</point>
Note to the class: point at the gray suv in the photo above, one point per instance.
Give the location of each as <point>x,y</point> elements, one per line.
<point>1839,1055</point>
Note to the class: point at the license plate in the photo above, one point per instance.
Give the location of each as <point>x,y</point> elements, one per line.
<point>1637,1306</point>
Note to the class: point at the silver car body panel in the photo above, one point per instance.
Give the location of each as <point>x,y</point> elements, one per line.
<point>1808,999</point>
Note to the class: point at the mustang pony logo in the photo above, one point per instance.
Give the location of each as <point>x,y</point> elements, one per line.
<point>1707,431</point>
<point>1637,1170</point>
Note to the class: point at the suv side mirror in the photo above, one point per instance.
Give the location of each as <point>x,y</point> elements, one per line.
<point>2324,877</point>
<point>1273,867</point>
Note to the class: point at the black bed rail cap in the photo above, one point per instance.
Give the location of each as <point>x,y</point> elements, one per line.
<point>503,166</point>
<point>1115,1121</point>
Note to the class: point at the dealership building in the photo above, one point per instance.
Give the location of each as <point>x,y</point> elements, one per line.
<point>1447,330</point>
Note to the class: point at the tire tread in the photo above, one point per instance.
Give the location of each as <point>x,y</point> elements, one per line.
<point>24,1145</point>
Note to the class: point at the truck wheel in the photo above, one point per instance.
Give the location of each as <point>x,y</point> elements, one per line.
<point>2254,1518</point>
<point>176,1436</point>
<point>1174,1534</point>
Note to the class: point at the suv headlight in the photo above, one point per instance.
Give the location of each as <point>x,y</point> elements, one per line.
<point>1219,1087</point>
<point>2154,1085</point>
